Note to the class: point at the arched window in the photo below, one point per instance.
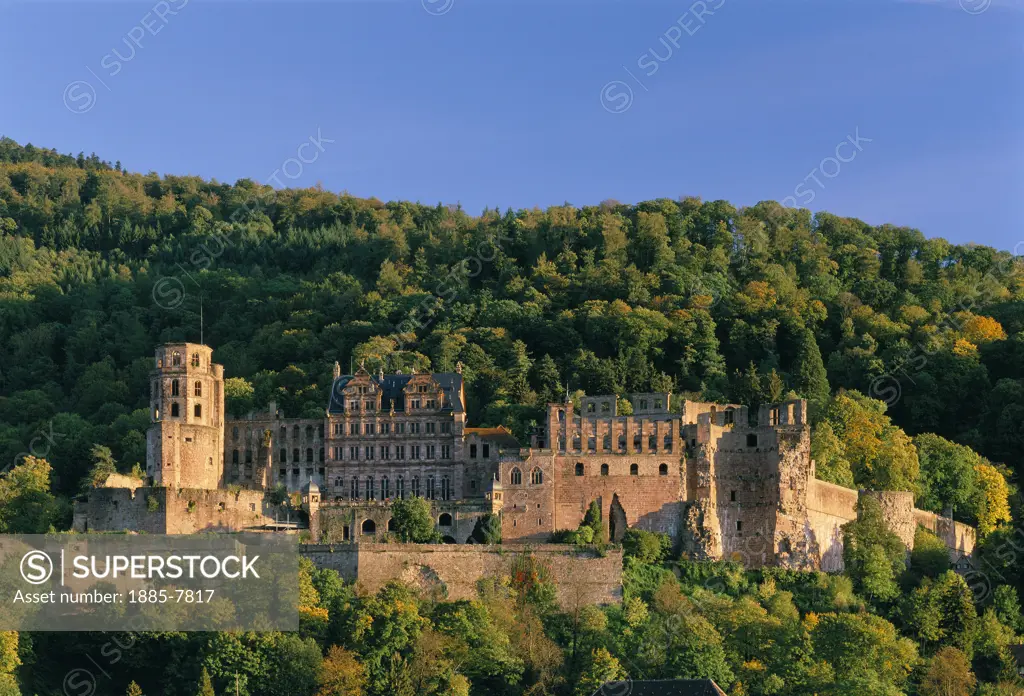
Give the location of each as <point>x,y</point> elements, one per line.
<point>579,468</point>
<point>385,488</point>
<point>295,455</point>
<point>354,489</point>
<point>431,488</point>
<point>663,470</point>
<point>198,390</point>
<point>234,456</point>
<point>174,410</point>
<point>175,388</point>
<point>284,432</point>
<point>295,432</point>
<point>369,527</point>
<point>283,454</point>
<point>536,477</point>
<point>175,359</point>
<point>391,525</point>
<point>195,360</point>
<point>198,410</point>
<point>338,482</point>
<point>309,454</point>
<point>634,470</point>
<point>371,494</point>
<point>400,488</point>
<point>516,477</point>
<point>415,488</point>
<point>445,520</point>
<point>604,469</point>
<point>309,431</point>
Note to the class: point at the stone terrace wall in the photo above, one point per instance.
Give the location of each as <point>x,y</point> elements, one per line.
<point>829,507</point>
<point>959,537</point>
<point>580,575</point>
<point>171,511</point>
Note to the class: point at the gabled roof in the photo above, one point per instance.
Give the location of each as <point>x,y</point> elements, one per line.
<point>392,387</point>
<point>662,687</point>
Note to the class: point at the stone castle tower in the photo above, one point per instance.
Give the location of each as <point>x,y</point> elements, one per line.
<point>185,443</point>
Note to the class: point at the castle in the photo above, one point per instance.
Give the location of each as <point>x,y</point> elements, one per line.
<point>720,485</point>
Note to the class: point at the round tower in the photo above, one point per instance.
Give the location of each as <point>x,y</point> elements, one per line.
<point>185,443</point>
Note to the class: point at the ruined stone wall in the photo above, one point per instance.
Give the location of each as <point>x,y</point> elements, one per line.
<point>898,513</point>
<point>370,521</point>
<point>172,511</point>
<point>581,576</point>
<point>829,507</point>
<point>528,508</point>
<point>959,537</point>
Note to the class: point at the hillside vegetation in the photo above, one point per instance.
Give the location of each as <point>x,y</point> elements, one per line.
<point>910,351</point>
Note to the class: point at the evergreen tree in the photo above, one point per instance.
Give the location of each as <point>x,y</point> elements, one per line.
<point>809,376</point>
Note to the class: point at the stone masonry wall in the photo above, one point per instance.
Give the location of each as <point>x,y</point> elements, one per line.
<point>581,576</point>
<point>172,511</point>
<point>829,507</point>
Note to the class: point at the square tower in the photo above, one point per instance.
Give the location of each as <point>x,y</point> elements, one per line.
<point>185,443</point>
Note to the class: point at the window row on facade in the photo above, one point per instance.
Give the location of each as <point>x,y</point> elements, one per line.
<point>606,443</point>
<point>176,360</point>
<point>400,428</point>
<point>371,488</point>
<point>197,411</point>
<point>197,388</point>
<point>537,476</point>
<point>354,453</point>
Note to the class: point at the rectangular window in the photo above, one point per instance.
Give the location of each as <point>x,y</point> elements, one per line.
<point>487,451</point>
<point>446,427</point>
<point>369,405</point>
<point>431,403</point>
<point>399,428</point>
<point>431,452</point>
<point>399,451</point>
<point>385,428</point>
<point>415,452</point>
<point>283,455</point>
<point>369,428</point>
<point>368,451</point>
<point>472,451</point>
<point>353,405</point>
<point>431,428</point>
<point>414,428</point>
<point>336,453</point>
<point>385,452</point>
<point>353,428</point>
<point>415,403</point>
<point>446,451</point>
<point>337,430</point>
<point>353,453</point>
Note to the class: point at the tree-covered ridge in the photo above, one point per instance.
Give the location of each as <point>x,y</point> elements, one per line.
<point>97,266</point>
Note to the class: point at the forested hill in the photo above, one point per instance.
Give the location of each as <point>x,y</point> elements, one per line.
<point>97,266</point>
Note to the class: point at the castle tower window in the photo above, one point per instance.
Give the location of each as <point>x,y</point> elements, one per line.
<point>198,410</point>
<point>234,456</point>
<point>175,359</point>
<point>156,414</point>
<point>385,488</point>
<point>732,496</point>
<point>369,527</point>
<point>198,389</point>
<point>579,468</point>
<point>604,469</point>
<point>663,470</point>
<point>309,454</point>
<point>739,526</point>
<point>175,388</point>
<point>536,477</point>
<point>195,360</point>
<point>634,470</point>
<point>174,410</point>
<point>516,477</point>
<point>445,520</point>
<point>668,443</point>
<point>344,533</point>
<point>752,440</point>
<point>371,494</point>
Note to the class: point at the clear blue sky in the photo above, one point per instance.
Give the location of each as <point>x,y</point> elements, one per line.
<point>499,102</point>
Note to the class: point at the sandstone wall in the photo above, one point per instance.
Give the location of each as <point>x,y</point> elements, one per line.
<point>829,507</point>
<point>959,537</point>
<point>582,577</point>
<point>173,511</point>
<point>348,522</point>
